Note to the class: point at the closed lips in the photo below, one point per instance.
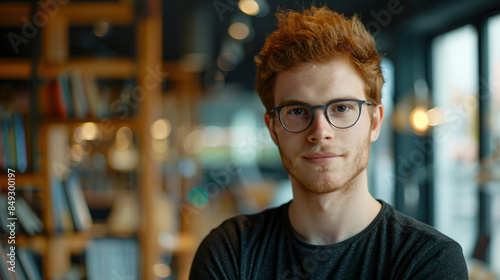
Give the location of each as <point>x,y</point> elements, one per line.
<point>321,158</point>
<point>320,155</point>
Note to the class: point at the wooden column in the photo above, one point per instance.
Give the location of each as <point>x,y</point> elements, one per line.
<point>55,40</point>
<point>149,69</point>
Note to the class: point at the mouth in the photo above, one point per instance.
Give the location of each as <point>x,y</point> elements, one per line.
<point>321,158</point>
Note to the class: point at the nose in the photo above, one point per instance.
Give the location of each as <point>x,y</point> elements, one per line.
<point>320,129</point>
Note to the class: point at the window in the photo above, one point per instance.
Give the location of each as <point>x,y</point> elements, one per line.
<point>493,30</point>
<point>381,165</point>
<point>455,95</point>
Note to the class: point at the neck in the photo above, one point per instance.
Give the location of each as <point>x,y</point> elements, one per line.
<point>330,218</point>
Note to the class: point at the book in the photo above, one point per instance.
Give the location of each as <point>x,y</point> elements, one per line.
<point>81,106</point>
<point>27,218</point>
<point>4,265</point>
<point>11,134</point>
<point>112,258</point>
<point>3,149</point>
<point>94,98</point>
<point>78,206</point>
<point>3,213</point>
<point>7,141</point>
<point>20,139</point>
<point>61,212</point>
<point>63,93</point>
<point>61,109</point>
<point>27,260</point>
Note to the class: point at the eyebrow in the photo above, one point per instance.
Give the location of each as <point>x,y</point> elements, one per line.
<point>297,101</point>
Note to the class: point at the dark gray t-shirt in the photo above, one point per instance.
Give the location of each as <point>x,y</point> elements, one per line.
<point>265,246</point>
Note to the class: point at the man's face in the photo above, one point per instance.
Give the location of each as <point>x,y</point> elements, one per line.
<point>323,158</point>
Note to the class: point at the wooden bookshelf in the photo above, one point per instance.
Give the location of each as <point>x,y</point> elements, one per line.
<point>11,14</point>
<point>117,13</point>
<point>15,68</point>
<point>75,242</point>
<point>24,180</point>
<point>56,247</point>
<point>107,68</point>
<point>107,123</point>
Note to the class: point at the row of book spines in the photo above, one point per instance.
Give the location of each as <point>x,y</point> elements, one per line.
<point>105,258</point>
<point>13,153</point>
<point>72,95</point>
<point>75,95</point>
<point>70,209</point>
<point>27,220</point>
<point>108,258</point>
<point>18,263</point>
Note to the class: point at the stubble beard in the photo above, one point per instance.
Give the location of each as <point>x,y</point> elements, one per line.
<point>309,178</point>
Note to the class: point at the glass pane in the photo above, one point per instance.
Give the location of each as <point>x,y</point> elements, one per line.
<point>381,165</point>
<point>493,28</point>
<point>455,79</point>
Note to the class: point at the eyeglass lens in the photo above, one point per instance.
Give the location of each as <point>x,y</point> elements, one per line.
<point>297,118</point>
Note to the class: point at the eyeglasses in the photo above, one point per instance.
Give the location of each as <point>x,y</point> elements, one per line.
<point>341,114</point>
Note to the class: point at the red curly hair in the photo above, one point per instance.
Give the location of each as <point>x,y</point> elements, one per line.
<point>317,35</point>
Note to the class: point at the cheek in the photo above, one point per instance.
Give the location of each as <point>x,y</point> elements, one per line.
<point>359,136</point>
<point>287,141</point>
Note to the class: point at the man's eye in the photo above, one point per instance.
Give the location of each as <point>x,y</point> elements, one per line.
<point>341,109</point>
<point>297,111</point>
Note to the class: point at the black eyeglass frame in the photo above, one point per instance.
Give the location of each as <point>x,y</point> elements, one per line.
<point>324,107</point>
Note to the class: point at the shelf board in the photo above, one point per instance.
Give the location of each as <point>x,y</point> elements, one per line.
<point>36,242</point>
<point>108,124</point>
<point>11,14</point>
<point>74,242</point>
<point>23,180</point>
<point>119,68</point>
<point>117,13</point>
<point>15,68</point>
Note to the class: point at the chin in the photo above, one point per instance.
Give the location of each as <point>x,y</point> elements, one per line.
<point>323,179</point>
<point>325,188</point>
<point>323,168</point>
<point>322,183</point>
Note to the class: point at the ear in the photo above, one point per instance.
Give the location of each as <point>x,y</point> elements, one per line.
<point>378,117</point>
<point>270,126</point>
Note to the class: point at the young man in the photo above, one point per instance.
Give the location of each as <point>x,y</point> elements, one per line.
<point>319,78</point>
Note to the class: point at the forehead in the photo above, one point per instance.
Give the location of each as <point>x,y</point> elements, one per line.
<point>318,83</point>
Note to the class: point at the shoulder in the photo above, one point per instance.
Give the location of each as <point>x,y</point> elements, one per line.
<point>431,252</point>
<point>410,228</point>
<point>220,252</point>
<point>242,225</point>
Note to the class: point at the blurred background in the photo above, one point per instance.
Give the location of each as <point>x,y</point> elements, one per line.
<point>129,129</point>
